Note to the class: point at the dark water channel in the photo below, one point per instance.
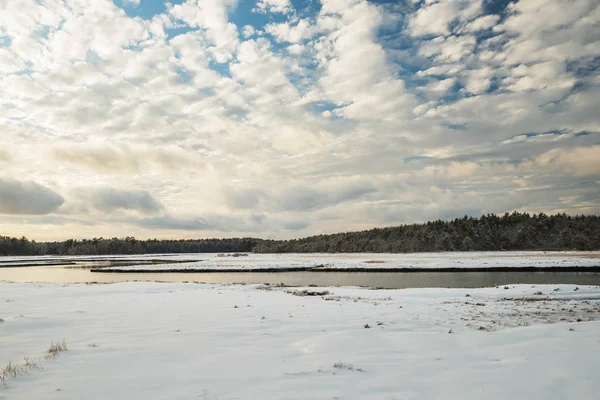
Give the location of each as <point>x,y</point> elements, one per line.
<point>388,280</point>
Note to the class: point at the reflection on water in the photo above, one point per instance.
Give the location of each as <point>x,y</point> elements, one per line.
<point>388,280</point>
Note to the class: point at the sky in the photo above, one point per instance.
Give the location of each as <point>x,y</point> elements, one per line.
<point>288,118</point>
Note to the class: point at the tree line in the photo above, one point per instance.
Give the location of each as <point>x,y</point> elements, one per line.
<point>511,231</point>
<point>515,231</point>
<point>128,245</point>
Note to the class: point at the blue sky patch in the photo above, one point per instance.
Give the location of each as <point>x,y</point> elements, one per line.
<point>185,76</point>
<point>5,41</point>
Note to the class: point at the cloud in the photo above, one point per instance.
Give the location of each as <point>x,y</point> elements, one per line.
<point>248,30</point>
<point>285,32</point>
<point>174,223</point>
<point>5,155</point>
<point>296,49</point>
<point>111,199</point>
<point>210,15</point>
<point>440,88</point>
<point>578,162</point>
<point>243,198</point>
<point>482,23</point>
<point>27,197</point>
<point>296,225</point>
<point>327,193</point>
<point>540,137</point>
<point>452,170</point>
<point>436,17</point>
<point>298,197</point>
<point>357,75</point>
<point>210,222</point>
<point>125,158</point>
<point>273,6</point>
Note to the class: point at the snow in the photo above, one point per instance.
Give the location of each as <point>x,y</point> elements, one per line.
<point>195,341</point>
<point>252,262</point>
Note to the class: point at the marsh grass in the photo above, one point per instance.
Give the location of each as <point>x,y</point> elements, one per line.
<point>12,369</point>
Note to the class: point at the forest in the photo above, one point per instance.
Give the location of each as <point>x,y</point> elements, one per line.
<point>511,231</point>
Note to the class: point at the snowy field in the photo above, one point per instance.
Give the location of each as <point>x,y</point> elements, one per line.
<point>374,261</point>
<point>190,341</point>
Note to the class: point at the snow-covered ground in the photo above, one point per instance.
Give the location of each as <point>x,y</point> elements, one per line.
<point>380,260</point>
<point>189,341</point>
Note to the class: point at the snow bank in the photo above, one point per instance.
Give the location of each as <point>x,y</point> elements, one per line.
<point>379,261</point>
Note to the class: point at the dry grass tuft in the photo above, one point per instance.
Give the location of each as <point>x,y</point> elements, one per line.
<point>305,292</point>
<point>342,365</point>
<point>30,363</point>
<point>12,370</point>
<point>56,348</point>
<point>349,367</point>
